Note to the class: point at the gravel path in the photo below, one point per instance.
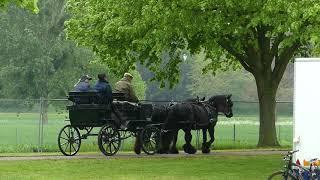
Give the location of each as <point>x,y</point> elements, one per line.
<point>131,155</point>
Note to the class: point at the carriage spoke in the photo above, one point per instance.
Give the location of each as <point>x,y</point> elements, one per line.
<point>151,147</point>
<point>64,143</point>
<point>65,133</point>
<point>152,144</point>
<point>65,150</point>
<point>114,146</point>
<point>104,142</point>
<point>108,130</point>
<point>64,138</point>
<point>70,148</point>
<point>148,146</point>
<point>72,133</point>
<point>153,141</point>
<point>110,148</point>
<point>74,148</point>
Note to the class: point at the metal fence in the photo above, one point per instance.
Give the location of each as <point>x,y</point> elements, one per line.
<point>33,126</point>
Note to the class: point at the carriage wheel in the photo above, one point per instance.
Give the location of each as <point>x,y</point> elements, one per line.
<point>109,140</point>
<point>69,140</point>
<point>150,139</point>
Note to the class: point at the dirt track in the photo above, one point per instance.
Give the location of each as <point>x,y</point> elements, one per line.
<point>131,155</point>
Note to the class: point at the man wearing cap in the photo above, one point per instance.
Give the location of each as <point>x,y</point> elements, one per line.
<point>124,86</point>
<point>83,84</point>
<point>103,87</point>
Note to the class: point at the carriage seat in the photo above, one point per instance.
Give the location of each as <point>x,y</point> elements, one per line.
<point>91,97</point>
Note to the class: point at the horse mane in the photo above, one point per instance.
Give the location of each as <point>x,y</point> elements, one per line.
<point>219,98</point>
<point>196,100</point>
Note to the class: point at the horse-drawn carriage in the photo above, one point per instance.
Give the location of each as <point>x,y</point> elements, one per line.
<point>155,129</point>
<point>117,121</point>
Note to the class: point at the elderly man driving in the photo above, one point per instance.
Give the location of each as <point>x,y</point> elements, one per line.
<point>125,86</point>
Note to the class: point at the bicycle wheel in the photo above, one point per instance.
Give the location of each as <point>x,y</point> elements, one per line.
<point>281,175</point>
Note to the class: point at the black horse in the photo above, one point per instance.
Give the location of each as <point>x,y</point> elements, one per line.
<point>159,115</point>
<point>193,116</point>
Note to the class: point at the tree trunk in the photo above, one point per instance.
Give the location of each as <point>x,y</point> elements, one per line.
<point>267,107</point>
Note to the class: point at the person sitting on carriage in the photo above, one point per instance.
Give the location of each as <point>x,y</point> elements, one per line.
<point>83,84</point>
<point>103,88</point>
<point>125,86</point>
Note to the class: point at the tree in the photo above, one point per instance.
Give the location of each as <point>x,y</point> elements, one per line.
<point>27,4</point>
<point>262,36</point>
<point>37,61</point>
<point>179,92</point>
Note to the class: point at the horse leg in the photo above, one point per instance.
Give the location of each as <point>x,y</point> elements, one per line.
<point>212,138</point>
<point>165,142</point>
<point>204,148</point>
<point>188,148</point>
<point>173,149</point>
<point>137,144</point>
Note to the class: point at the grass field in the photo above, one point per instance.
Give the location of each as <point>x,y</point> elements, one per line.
<point>194,167</point>
<point>20,133</point>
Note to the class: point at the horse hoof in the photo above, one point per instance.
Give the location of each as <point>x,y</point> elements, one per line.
<point>192,150</point>
<point>205,150</point>
<point>188,148</point>
<point>185,148</point>
<point>137,151</point>
<point>174,151</point>
<point>162,151</point>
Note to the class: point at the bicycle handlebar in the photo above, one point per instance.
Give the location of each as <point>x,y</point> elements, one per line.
<point>292,152</point>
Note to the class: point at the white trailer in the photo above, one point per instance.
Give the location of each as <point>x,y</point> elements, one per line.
<point>306,122</point>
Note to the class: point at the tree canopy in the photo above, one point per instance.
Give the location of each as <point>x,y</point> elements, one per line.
<point>27,4</point>
<point>122,31</point>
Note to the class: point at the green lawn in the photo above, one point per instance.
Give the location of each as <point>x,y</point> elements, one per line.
<point>20,133</point>
<point>194,167</point>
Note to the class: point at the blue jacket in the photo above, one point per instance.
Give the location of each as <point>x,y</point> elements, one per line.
<point>105,90</point>
<point>82,87</point>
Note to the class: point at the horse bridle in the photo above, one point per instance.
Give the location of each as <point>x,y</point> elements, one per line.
<point>212,104</point>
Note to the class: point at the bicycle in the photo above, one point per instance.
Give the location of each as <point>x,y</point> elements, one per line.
<point>294,171</point>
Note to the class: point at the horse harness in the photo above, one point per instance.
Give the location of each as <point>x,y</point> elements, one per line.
<point>211,111</point>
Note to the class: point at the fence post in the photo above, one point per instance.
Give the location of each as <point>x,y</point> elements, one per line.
<point>17,136</point>
<point>279,133</point>
<point>40,126</point>
<point>234,133</point>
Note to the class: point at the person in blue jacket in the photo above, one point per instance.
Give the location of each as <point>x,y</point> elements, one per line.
<point>103,87</point>
<point>83,84</point>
